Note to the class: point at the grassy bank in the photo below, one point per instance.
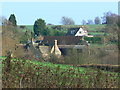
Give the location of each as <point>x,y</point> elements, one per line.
<point>35,74</point>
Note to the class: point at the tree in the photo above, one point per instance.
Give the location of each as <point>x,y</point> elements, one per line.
<point>3,21</point>
<point>90,21</point>
<point>112,28</point>
<point>109,18</point>
<point>10,37</point>
<point>118,23</point>
<point>112,19</point>
<point>25,36</point>
<point>84,22</point>
<point>12,20</point>
<point>39,27</point>
<point>97,20</point>
<point>104,21</point>
<point>46,32</point>
<point>67,21</point>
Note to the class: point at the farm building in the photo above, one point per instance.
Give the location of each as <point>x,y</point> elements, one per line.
<point>62,43</point>
<point>62,40</point>
<point>59,45</point>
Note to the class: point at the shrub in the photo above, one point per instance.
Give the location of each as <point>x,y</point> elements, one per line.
<point>75,57</point>
<point>59,27</point>
<point>22,27</point>
<point>53,58</point>
<point>93,39</point>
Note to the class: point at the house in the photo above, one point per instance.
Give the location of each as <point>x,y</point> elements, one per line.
<point>58,45</point>
<point>61,44</point>
<point>77,32</point>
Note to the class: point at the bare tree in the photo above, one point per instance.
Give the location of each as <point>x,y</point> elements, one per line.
<point>67,21</point>
<point>84,22</point>
<point>112,19</point>
<point>109,18</point>
<point>10,39</point>
<point>90,21</point>
<point>105,14</point>
<point>97,20</point>
<point>3,21</point>
<point>118,32</point>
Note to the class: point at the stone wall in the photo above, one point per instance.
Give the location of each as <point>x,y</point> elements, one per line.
<point>45,50</point>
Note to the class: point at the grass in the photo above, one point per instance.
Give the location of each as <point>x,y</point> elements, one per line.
<point>90,27</point>
<point>96,33</point>
<point>95,27</point>
<point>35,74</point>
<point>27,28</point>
<point>48,64</point>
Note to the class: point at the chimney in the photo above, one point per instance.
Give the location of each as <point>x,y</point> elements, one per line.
<point>55,44</point>
<point>55,49</point>
<point>32,41</point>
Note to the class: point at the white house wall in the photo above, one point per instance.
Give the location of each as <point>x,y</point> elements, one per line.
<point>83,32</point>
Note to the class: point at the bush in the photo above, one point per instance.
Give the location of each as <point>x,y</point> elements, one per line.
<point>53,58</point>
<point>93,39</point>
<point>59,27</point>
<point>22,27</point>
<point>56,32</point>
<point>75,57</point>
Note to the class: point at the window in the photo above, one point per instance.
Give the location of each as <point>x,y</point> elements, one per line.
<point>80,32</point>
<point>72,32</point>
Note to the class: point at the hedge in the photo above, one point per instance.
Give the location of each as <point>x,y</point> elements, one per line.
<point>93,39</point>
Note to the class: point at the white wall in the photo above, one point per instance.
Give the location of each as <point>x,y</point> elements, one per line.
<point>83,32</point>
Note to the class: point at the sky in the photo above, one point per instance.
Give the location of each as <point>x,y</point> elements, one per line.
<point>27,12</point>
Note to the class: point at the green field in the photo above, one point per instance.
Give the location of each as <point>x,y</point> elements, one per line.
<point>27,28</point>
<point>37,74</point>
<point>95,27</point>
<point>89,27</point>
<point>96,33</point>
<point>92,29</point>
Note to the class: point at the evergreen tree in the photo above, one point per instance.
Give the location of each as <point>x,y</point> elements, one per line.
<point>39,27</point>
<point>12,20</point>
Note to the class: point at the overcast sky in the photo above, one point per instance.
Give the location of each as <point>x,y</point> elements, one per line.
<point>27,12</point>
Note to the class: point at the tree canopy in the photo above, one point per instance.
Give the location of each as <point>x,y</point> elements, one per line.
<point>12,20</point>
<point>67,21</point>
<point>90,21</point>
<point>39,27</point>
<point>84,22</point>
<point>97,20</point>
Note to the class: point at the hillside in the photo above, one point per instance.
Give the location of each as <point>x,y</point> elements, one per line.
<point>96,30</point>
<point>89,27</point>
<point>35,74</point>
